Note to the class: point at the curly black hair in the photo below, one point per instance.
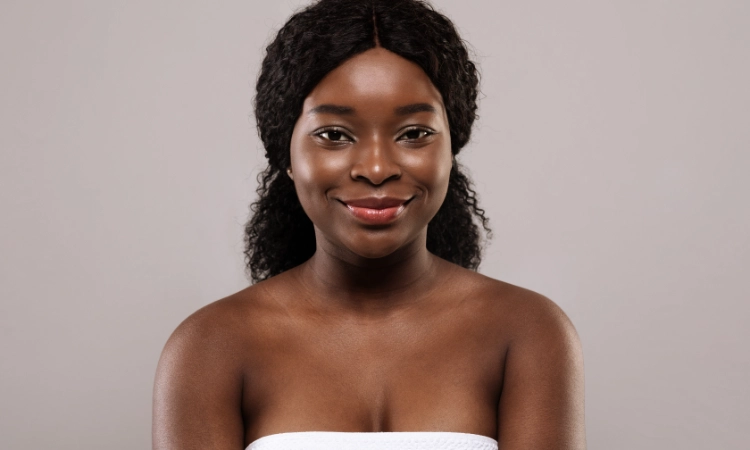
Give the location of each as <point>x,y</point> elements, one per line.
<point>313,42</point>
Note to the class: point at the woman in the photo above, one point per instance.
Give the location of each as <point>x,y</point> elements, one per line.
<point>367,314</point>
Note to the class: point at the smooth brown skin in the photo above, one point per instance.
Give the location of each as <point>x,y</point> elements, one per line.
<point>373,333</point>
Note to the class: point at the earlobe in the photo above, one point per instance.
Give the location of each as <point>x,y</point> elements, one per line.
<point>289,172</point>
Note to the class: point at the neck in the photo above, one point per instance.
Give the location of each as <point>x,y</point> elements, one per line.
<point>347,280</point>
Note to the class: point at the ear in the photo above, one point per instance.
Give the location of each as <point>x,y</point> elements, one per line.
<point>289,172</point>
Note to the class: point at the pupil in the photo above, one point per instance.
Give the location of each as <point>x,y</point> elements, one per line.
<point>334,135</point>
<point>413,134</point>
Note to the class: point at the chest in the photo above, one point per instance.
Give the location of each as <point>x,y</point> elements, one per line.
<point>390,376</point>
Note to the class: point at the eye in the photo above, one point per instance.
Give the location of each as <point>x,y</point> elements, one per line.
<point>414,134</point>
<point>333,135</point>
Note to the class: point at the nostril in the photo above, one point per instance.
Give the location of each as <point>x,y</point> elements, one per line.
<point>375,173</point>
<point>376,180</point>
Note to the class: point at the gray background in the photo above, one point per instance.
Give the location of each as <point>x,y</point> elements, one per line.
<point>611,156</point>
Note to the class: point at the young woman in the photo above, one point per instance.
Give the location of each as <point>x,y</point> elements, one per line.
<point>368,325</point>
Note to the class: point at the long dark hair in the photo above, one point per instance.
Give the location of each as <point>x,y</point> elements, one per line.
<point>313,42</point>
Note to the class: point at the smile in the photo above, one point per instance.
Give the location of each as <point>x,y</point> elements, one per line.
<point>376,211</point>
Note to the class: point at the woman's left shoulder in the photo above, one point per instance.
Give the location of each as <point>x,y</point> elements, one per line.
<point>517,309</point>
<point>542,400</point>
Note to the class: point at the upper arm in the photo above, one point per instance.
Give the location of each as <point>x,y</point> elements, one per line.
<point>198,389</point>
<point>541,404</point>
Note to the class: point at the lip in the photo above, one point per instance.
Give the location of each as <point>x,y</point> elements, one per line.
<point>376,210</point>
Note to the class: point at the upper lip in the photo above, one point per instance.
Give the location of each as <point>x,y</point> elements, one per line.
<point>376,202</point>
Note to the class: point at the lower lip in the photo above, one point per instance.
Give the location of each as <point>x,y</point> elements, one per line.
<point>376,216</point>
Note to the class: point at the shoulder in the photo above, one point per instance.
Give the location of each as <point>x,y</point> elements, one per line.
<point>200,376</point>
<point>204,338</point>
<point>524,311</point>
<point>231,326</point>
<point>218,334</point>
<point>519,317</point>
<point>223,323</point>
<point>541,402</point>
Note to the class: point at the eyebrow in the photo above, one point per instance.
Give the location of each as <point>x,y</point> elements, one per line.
<point>415,108</point>
<point>340,110</point>
<point>332,109</point>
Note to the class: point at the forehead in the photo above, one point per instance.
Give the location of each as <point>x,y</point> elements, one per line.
<point>375,78</point>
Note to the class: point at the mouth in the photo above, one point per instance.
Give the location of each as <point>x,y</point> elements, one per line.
<point>376,210</point>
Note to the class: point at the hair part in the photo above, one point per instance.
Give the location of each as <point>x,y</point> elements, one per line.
<point>312,43</point>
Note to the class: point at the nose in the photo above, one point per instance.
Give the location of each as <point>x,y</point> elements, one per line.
<point>374,163</point>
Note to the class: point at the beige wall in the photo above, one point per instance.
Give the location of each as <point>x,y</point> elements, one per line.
<point>611,156</point>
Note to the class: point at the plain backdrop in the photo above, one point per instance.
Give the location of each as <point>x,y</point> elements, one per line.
<point>612,156</point>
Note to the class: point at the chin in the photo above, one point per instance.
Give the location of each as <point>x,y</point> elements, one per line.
<point>373,251</point>
<point>377,247</point>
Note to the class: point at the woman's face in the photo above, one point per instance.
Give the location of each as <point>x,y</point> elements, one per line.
<point>371,155</point>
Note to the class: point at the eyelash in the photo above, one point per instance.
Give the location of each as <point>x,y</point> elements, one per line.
<point>427,133</point>
<point>322,131</point>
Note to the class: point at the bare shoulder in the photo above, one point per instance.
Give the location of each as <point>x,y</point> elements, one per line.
<point>217,321</point>
<point>231,322</point>
<point>520,311</point>
<point>209,338</point>
<point>200,376</point>
<point>541,403</point>
<point>226,332</point>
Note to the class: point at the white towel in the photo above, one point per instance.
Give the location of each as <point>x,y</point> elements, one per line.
<point>396,440</point>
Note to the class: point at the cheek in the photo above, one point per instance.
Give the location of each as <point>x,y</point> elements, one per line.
<point>317,169</point>
<point>315,172</point>
<point>311,165</point>
<point>432,170</point>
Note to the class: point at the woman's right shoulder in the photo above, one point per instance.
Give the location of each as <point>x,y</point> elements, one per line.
<point>236,317</point>
<point>200,376</point>
<point>213,347</point>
